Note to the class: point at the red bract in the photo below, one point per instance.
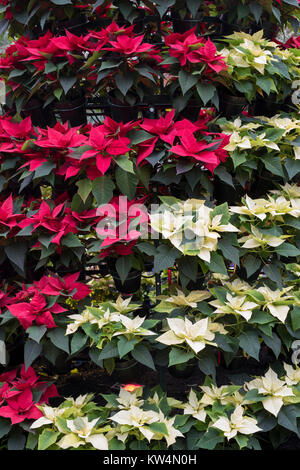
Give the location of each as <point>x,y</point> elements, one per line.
<point>8,220</point>
<point>200,151</point>
<point>103,149</point>
<point>208,54</point>
<point>64,286</point>
<point>17,393</point>
<point>17,130</point>
<point>50,220</point>
<point>36,311</point>
<point>60,137</point>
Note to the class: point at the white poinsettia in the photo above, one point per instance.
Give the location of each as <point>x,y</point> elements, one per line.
<point>124,305</point>
<point>271,387</point>
<point>281,206</point>
<point>196,335</point>
<point>172,432</point>
<point>133,326</point>
<point>213,393</point>
<point>78,320</point>
<point>189,300</point>
<point>292,376</point>
<point>128,399</point>
<point>238,423</point>
<point>258,239</point>
<point>261,141</point>
<point>50,416</point>
<point>238,286</point>
<point>83,432</point>
<point>235,305</point>
<point>238,141</point>
<point>290,191</point>
<point>195,407</point>
<point>190,227</point>
<point>251,207</point>
<point>138,419</point>
<point>273,299</point>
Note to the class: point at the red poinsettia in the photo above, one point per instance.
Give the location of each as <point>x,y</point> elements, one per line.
<point>16,395</point>
<point>68,286</point>
<point>199,150</point>
<point>104,149</point>
<point>36,311</point>
<point>60,137</point>
<point>9,220</point>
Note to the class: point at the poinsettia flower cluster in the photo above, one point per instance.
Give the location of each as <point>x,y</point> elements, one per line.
<point>17,395</point>
<point>91,151</point>
<point>35,304</point>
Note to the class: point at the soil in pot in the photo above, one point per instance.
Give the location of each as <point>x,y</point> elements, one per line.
<point>73,111</point>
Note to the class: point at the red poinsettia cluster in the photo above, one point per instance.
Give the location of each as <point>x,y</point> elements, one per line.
<point>190,48</point>
<point>92,150</point>
<point>38,302</point>
<point>17,392</point>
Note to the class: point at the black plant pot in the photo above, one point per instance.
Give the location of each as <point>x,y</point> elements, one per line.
<point>121,112</point>
<point>40,116</point>
<point>181,26</point>
<point>191,111</point>
<point>225,193</point>
<point>130,285</point>
<point>73,111</point>
<point>269,107</point>
<point>127,371</point>
<point>76,25</point>
<point>231,105</point>
<point>183,370</point>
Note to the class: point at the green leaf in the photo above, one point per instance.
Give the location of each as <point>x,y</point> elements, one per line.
<point>16,253</point>
<point>124,82</point>
<point>5,426</point>
<point>47,439</point>
<point>103,189</point>
<point>295,318</point>
<point>44,170</point>
<point>265,83</point>
<point>217,264</point>
<point>84,188</point>
<point>273,164</point>
<point>210,439</point>
<point>256,10</point>
<point>125,345</point>
<point>160,428</point>
<point>32,350</point>
<point>67,83</point>
<point>123,266</point>
<point>292,167</point>
<point>252,264</point>
<point>273,343</point>
<point>36,332</point>
<point>286,249</point>
<point>249,342</point>
<point>142,355</point>
<point>179,356</point>
<point>78,341</point>
<point>58,338</point>
<point>186,81</point>
<point>110,350</point>
<point>206,91</point>
<point>287,418</point>
<point>125,163</point>
<point>165,258</point>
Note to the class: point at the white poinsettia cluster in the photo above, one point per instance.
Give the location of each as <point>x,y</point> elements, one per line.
<point>276,392</point>
<point>278,134</point>
<point>242,301</point>
<point>183,331</point>
<point>191,226</point>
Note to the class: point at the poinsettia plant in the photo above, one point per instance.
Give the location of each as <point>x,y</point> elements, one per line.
<point>257,67</point>
<point>25,17</point>
<point>125,65</point>
<point>193,65</point>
